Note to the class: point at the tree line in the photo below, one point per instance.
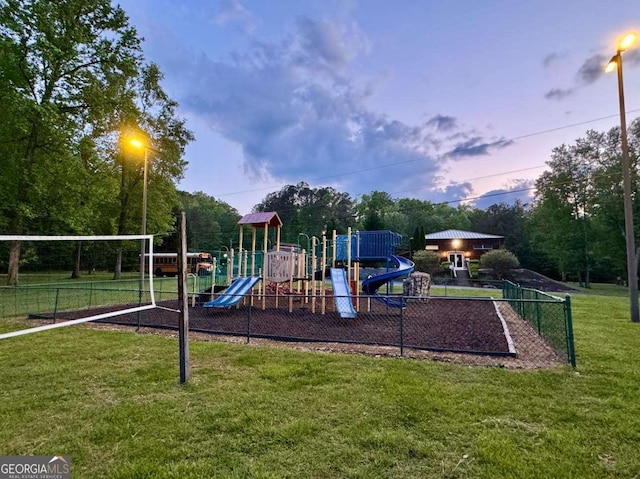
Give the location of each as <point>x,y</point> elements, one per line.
<point>573,229</point>
<point>75,84</point>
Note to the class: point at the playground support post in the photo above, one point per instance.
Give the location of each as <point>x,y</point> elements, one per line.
<point>292,267</point>
<point>334,237</point>
<point>264,264</point>
<point>348,255</point>
<point>324,269</point>
<point>314,263</point>
<point>244,262</point>
<point>253,262</point>
<point>308,250</point>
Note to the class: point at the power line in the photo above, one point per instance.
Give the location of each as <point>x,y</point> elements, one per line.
<point>395,164</point>
<point>470,198</point>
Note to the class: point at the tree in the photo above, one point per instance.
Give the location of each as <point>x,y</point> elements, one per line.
<point>374,211</point>
<point>59,62</point>
<point>565,197</point>
<point>579,215</point>
<point>73,75</point>
<point>150,115</point>
<point>309,210</point>
<point>512,222</point>
<point>210,222</point>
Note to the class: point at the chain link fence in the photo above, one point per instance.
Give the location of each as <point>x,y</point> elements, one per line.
<point>542,311</point>
<point>517,324</point>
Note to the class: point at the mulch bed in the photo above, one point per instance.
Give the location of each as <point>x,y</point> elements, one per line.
<point>446,329</point>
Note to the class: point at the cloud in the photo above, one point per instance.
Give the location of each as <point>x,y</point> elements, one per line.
<point>452,194</point>
<point>520,190</point>
<point>558,93</point>
<point>323,44</point>
<point>591,69</point>
<point>550,59</point>
<point>298,115</point>
<point>476,146</point>
<point>233,12</point>
<point>443,122</point>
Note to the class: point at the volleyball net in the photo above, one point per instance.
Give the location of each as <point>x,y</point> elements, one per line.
<point>74,279</point>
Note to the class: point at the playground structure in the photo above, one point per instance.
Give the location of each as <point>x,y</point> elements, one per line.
<point>473,325</point>
<point>288,270</point>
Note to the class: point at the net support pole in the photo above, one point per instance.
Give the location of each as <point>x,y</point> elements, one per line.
<point>183,299</point>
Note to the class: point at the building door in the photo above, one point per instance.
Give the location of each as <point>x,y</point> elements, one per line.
<point>456,258</point>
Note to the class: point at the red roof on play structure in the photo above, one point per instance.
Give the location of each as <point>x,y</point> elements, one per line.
<point>258,220</point>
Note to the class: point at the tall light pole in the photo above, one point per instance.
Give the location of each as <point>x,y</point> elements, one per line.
<point>138,143</point>
<point>632,262</point>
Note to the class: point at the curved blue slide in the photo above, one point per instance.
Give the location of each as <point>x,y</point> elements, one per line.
<point>234,293</point>
<point>342,294</point>
<point>370,285</point>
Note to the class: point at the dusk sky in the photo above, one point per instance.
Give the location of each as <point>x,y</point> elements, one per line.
<point>434,100</point>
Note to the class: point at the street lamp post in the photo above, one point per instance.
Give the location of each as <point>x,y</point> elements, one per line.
<point>139,143</point>
<point>632,263</point>
<point>143,228</point>
<point>411,248</point>
<point>144,208</point>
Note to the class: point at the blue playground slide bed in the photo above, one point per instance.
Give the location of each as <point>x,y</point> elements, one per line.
<point>440,324</point>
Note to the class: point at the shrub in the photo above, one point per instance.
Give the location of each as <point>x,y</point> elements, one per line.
<point>500,261</point>
<point>427,261</point>
<point>474,266</point>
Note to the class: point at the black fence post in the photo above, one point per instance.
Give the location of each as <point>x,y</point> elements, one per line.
<point>249,323</point>
<point>538,314</point>
<point>55,308</point>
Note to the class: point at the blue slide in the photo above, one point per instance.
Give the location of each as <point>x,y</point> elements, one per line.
<point>342,293</point>
<point>234,293</point>
<point>370,285</point>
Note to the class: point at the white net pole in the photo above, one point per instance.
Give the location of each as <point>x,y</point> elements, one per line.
<point>150,272</point>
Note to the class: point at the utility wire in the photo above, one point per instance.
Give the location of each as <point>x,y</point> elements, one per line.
<point>395,164</point>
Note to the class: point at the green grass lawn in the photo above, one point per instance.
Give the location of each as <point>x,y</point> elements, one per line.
<point>602,289</point>
<point>111,400</point>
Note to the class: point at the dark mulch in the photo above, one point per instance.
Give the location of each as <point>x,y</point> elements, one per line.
<point>531,279</point>
<point>437,324</point>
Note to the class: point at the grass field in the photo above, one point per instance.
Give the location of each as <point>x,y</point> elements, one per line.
<point>111,400</point>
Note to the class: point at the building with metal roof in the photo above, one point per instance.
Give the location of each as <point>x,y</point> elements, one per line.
<point>460,234</point>
<point>458,246</point>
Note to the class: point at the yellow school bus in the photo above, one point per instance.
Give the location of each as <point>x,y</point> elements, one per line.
<point>166,264</point>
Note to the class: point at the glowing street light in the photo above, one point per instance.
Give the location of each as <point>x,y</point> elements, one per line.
<point>136,142</point>
<point>632,263</point>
